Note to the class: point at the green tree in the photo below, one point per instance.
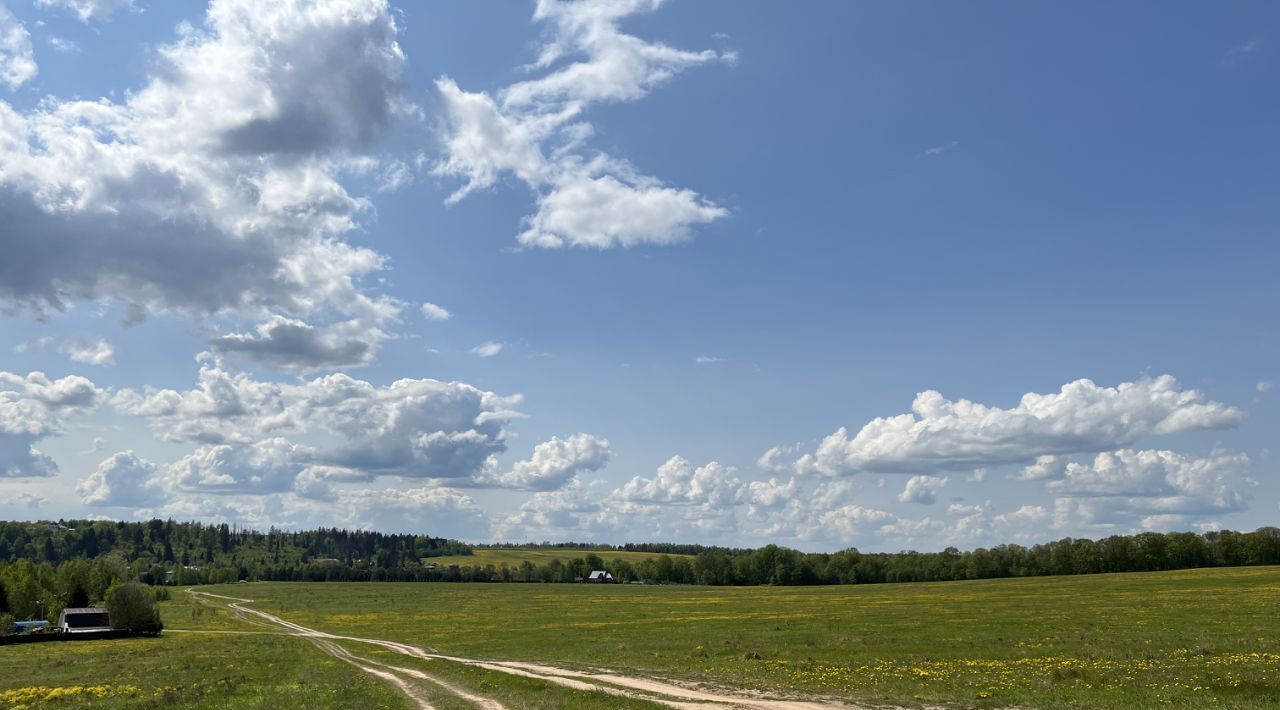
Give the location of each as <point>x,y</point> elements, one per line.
<point>132,607</point>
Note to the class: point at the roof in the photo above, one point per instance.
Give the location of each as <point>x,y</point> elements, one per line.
<point>85,610</point>
<point>597,574</point>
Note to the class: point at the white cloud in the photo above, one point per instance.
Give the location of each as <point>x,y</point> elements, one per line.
<point>940,149</point>
<point>1169,481</point>
<point>553,464</point>
<point>1082,418</point>
<point>602,204</point>
<point>922,489</point>
<point>33,345</point>
<point>770,494</point>
<point>488,349</point>
<point>412,428</point>
<point>91,10</point>
<point>95,351</point>
<point>1264,385</point>
<point>708,360</point>
<point>291,344</point>
<point>851,521</point>
<point>213,190</point>
<point>427,510</point>
<point>431,311</point>
<point>678,482</point>
<point>60,44</point>
<point>121,480</point>
<point>1045,467</point>
<point>30,501</point>
<point>17,59</point>
<point>270,465</point>
<point>34,408</point>
<point>534,131</point>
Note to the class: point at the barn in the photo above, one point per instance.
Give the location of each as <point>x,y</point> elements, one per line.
<point>85,620</point>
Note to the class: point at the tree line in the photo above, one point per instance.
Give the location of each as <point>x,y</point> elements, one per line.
<point>75,559</point>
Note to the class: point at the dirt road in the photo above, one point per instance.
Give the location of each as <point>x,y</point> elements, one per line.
<point>418,685</point>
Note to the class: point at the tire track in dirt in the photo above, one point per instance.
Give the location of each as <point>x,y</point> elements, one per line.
<point>660,692</point>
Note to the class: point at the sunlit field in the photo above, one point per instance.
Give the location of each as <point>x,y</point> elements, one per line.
<point>1187,638</point>
<point>186,670</point>
<point>1168,639</point>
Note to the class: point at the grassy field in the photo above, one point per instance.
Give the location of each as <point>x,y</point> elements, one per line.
<point>1183,639</point>
<point>1186,638</point>
<point>211,671</point>
<point>513,557</point>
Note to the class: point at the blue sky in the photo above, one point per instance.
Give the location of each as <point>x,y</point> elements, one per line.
<point>699,262</point>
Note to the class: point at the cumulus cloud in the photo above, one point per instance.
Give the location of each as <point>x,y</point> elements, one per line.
<point>488,349</point>
<point>290,344</point>
<point>431,311</point>
<point>922,489</point>
<point>1160,482</point>
<point>533,131</point>
<point>677,481</point>
<point>1264,385</point>
<point>770,494</point>
<point>121,480</point>
<point>679,500</point>
<point>213,190</point>
<point>90,351</point>
<point>34,408</point>
<point>553,464</point>
<point>90,10</point>
<point>17,59</point>
<point>250,430</point>
<point>1082,418</point>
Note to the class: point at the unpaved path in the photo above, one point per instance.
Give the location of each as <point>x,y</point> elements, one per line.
<point>661,692</point>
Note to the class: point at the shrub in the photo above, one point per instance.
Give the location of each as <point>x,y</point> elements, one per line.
<point>132,607</point>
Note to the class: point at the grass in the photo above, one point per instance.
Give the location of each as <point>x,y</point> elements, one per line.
<point>512,557</point>
<point>208,671</point>
<point>1192,638</point>
<point>1188,638</point>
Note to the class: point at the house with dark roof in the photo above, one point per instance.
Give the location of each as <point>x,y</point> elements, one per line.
<point>85,620</point>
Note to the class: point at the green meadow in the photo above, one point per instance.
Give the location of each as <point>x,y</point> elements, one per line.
<point>1191,638</point>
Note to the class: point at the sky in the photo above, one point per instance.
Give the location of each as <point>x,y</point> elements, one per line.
<point>879,275</point>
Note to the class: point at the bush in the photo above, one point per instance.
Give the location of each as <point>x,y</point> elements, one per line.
<point>132,607</point>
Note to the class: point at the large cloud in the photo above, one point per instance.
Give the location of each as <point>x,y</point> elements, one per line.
<point>554,463</point>
<point>678,482</point>
<point>416,428</point>
<point>17,60</point>
<point>122,480</point>
<point>1082,418</point>
<point>1158,482</point>
<point>33,408</point>
<point>533,131</point>
<point>214,189</point>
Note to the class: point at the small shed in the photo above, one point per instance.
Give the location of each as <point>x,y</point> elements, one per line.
<point>599,576</point>
<point>85,620</point>
<point>27,627</point>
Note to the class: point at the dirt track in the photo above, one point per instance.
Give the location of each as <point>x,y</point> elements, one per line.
<point>418,685</point>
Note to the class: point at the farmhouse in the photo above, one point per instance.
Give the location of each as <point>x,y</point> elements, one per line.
<point>83,621</point>
<point>600,576</point>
